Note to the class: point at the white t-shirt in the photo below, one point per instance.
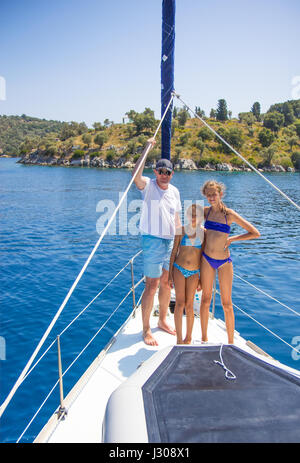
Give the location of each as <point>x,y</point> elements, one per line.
<point>159,208</point>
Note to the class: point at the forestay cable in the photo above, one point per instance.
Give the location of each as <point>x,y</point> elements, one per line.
<point>27,366</point>
<point>238,154</point>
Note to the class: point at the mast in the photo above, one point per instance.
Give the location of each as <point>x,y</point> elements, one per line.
<point>167,73</point>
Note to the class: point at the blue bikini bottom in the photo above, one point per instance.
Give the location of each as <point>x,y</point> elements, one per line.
<point>216,263</point>
<point>186,273</point>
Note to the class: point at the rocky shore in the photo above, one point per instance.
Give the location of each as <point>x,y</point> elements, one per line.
<point>39,158</point>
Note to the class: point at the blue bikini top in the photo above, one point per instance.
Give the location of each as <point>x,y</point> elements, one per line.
<point>186,241</point>
<point>217,226</point>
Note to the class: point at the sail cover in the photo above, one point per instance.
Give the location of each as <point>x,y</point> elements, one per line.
<point>167,73</point>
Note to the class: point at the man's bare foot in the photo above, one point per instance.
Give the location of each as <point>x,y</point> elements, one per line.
<point>149,339</point>
<point>164,326</point>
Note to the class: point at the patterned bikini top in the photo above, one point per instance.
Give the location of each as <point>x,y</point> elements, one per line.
<point>217,226</point>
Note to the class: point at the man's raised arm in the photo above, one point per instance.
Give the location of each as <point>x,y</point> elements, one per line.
<point>139,180</point>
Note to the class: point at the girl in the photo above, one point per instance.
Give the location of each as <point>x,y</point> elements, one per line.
<point>184,270</point>
<point>216,255</point>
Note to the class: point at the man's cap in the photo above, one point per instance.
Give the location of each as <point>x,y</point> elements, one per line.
<point>164,164</point>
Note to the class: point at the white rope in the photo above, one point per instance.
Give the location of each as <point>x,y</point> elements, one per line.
<point>238,154</point>
<point>263,326</point>
<point>79,355</point>
<point>228,373</point>
<point>266,294</point>
<point>80,313</point>
<point>44,337</point>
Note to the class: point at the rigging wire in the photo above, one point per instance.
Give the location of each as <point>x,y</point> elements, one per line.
<point>27,366</point>
<point>79,314</point>
<point>238,154</point>
<point>45,335</point>
<point>268,295</point>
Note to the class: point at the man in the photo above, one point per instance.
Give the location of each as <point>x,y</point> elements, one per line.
<point>159,219</point>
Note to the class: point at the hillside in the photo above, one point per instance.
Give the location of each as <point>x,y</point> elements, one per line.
<point>15,129</point>
<point>263,139</point>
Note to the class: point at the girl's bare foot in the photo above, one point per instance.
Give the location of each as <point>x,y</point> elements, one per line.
<point>187,341</point>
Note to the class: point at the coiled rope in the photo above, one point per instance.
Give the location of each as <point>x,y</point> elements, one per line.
<point>228,373</point>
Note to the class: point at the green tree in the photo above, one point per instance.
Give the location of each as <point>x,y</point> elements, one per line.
<point>78,154</point>
<point>233,136</point>
<point>81,128</point>
<point>205,134</point>
<point>222,113</point>
<point>174,126</point>
<point>144,121</point>
<point>107,122</point>
<point>27,145</point>
<point>184,138</point>
<point>268,154</point>
<point>182,116</point>
<point>87,139</point>
<point>289,109</point>
<point>247,118</point>
<point>256,110</point>
<point>67,131</point>
<point>98,126</point>
<point>266,137</point>
<point>200,112</point>
<point>200,145</point>
<point>212,113</point>
<point>100,139</point>
<point>296,159</point>
<point>288,113</point>
<point>273,120</point>
<point>292,141</point>
<point>131,147</point>
<point>51,150</point>
<point>297,125</point>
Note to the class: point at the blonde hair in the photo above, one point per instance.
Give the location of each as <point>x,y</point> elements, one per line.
<point>219,186</point>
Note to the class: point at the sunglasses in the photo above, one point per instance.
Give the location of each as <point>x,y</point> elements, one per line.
<point>164,172</point>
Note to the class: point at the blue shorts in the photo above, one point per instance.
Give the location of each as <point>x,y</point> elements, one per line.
<point>157,253</point>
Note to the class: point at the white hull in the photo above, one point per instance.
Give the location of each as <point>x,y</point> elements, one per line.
<point>86,402</point>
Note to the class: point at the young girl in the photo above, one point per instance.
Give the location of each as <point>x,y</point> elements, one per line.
<point>216,255</point>
<point>184,270</point>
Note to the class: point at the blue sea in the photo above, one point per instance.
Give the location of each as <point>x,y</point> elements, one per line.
<point>50,222</point>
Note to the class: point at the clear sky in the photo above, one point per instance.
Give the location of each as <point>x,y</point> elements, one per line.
<point>88,60</point>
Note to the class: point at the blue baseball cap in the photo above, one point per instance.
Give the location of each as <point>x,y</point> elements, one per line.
<point>164,164</point>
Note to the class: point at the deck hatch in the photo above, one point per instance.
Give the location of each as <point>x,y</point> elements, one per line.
<point>188,398</point>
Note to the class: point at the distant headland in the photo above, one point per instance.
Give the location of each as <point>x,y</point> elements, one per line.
<point>270,141</point>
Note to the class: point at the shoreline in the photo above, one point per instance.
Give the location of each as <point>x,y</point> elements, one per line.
<point>121,163</point>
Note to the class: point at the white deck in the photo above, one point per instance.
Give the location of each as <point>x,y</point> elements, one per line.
<point>86,402</point>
